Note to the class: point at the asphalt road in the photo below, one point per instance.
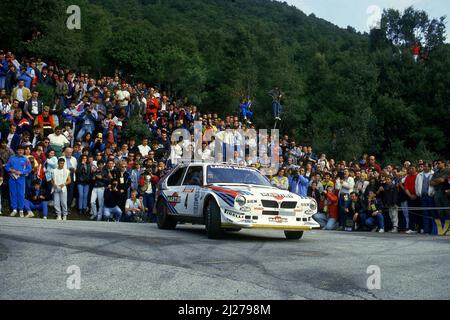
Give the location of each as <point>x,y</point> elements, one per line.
<point>138,261</point>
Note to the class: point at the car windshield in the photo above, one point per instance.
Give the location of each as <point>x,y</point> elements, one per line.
<point>235,175</point>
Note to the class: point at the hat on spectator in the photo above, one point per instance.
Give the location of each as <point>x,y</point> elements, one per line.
<point>46,108</point>
<point>99,135</point>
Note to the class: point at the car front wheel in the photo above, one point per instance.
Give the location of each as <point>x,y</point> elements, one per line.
<point>293,235</point>
<point>163,220</point>
<point>213,220</point>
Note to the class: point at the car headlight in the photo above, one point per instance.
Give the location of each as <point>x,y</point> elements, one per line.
<point>313,206</point>
<point>240,200</point>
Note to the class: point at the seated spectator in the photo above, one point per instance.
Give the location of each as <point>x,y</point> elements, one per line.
<point>112,199</point>
<point>373,216</point>
<point>134,208</point>
<point>328,219</point>
<point>354,212</point>
<point>36,200</point>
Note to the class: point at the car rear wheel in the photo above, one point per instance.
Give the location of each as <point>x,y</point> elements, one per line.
<point>213,220</point>
<point>293,235</point>
<point>163,220</point>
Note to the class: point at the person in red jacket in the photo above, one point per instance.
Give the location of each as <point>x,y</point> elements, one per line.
<point>328,219</point>
<point>416,51</point>
<point>413,201</point>
<point>152,108</point>
<point>372,164</point>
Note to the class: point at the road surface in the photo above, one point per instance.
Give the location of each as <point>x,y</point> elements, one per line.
<point>138,261</point>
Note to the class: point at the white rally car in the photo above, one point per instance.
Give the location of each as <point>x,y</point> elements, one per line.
<point>230,197</point>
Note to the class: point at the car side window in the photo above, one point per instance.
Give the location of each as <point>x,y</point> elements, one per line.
<point>176,178</point>
<point>194,176</point>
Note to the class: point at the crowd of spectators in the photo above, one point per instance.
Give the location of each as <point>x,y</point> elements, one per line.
<point>73,153</point>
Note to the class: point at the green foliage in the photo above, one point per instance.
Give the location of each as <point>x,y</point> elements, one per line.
<point>46,94</point>
<point>136,128</point>
<point>345,92</point>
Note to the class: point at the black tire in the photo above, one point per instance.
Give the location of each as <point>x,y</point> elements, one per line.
<point>163,220</point>
<point>293,235</point>
<point>213,220</point>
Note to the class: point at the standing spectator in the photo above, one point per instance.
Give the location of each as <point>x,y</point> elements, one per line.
<point>147,182</point>
<point>298,183</point>
<point>4,66</point>
<point>100,179</point>
<point>36,200</point>
<point>83,179</point>
<point>33,107</point>
<point>413,201</point>
<point>314,192</point>
<point>71,164</point>
<point>22,123</point>
<point>18,166</point>
<point>372,164</point>
<point>245,110</point>
<point>400,177</point>
<point>45,121</point>
<point>21,93</point>
<point>60,180</point>
<point>13,138</point>
<point>144,148</point>
<point>58,141</point>
<point>88,119</point>
<point>425,192</point>
<point>440,183</point>
<point>390,201</point>
<point>11,79</point>
<point>280,180</point>
<point>345,187</point>
<point>123,96</point>
<point>61,90</point>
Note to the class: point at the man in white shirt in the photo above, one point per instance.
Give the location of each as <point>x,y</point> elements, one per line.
<point>58,141</point>
<point>60,181</point>
<point>425,193</point>
<point>134,208</point>
<point>144,148</point>
<point>345,187</point>
<point>71,164</point>
<point>123,96</point>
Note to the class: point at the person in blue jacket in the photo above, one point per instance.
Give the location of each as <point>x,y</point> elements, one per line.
<point>18,166</point>
<point>245,110</point>
<point>298,183</point>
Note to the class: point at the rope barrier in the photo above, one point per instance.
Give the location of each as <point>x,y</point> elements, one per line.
<point>413,210</point>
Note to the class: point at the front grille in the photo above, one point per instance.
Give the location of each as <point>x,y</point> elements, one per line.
<point>270,213</point>
<point>288,205</point>
<point>269,204</point>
